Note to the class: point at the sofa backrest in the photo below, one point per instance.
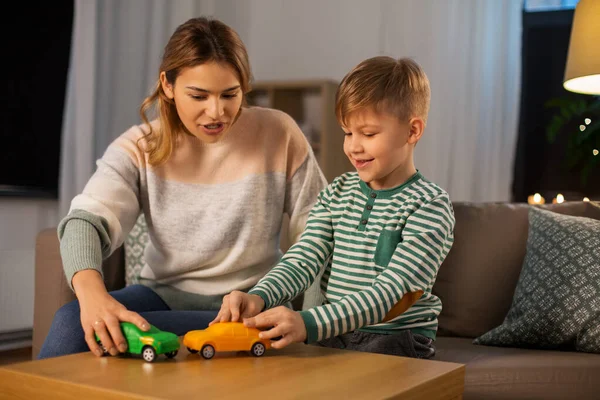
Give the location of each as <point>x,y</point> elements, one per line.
<point>477,280</point>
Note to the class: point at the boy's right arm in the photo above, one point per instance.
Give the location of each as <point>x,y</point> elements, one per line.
<point>301,264</point>
<point>293,274</point>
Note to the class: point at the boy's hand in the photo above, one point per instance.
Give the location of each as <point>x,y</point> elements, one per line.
<point>238,304</point>
<point>283,322</point>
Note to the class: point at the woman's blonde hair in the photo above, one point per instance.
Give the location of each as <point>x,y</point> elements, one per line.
<point>399,87</point>
<point>195,42</point>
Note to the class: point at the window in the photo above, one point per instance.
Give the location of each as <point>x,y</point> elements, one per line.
<point>541,166</point>
<point>36,55</point>
<point>549,5</point>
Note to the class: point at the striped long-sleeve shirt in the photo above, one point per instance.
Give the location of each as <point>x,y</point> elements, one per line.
<point>374,246</point>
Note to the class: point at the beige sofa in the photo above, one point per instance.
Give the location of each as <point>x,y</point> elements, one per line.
<point>476,285</point>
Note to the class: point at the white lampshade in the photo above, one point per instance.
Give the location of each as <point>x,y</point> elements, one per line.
<point>582,74</point>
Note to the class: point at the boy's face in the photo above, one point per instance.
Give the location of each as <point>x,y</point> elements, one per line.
<point>380,147</point>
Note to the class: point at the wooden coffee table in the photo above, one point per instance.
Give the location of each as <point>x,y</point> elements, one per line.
<point>298,372</point>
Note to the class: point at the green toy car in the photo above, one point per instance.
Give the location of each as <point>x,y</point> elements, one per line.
<point>149,344</point>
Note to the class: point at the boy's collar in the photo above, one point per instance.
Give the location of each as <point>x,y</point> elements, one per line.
<point>387,193</point>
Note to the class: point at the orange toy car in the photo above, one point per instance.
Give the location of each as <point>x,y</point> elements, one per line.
<point>225,336</point>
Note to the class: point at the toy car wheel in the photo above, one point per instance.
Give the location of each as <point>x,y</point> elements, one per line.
<point>104,351</point>
<point>171,354</point>
<point>258,349</point>
<point>208,351</point>
<point>148,354</point>
<point>193,351</point>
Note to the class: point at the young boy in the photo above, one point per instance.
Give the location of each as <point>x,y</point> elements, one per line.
<point>379,233</point>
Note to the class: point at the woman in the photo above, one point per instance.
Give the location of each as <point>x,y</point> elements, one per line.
<point>213,179</point>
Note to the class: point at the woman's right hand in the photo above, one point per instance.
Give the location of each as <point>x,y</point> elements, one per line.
<point>101,314</point>
<point>239,304</point>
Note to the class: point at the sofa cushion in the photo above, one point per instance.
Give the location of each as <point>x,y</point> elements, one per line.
<point>510,373</point>
<point>135,245</point>
<point>557,299</point>
<point>477,280</point>
<point>589,339</point>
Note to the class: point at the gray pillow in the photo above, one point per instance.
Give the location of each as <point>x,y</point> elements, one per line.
<point>556,304</point>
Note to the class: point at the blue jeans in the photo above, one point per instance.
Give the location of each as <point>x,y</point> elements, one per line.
<point>66,335</point>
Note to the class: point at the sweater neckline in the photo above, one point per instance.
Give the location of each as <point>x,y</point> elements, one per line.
<point>387,193</point>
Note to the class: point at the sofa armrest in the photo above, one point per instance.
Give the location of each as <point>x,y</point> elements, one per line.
<point>51,288</point>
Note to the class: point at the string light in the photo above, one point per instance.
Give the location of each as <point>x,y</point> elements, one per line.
<point>588,121</point>
<point>595,152</point>
<point>536,199</point>
<point>582,128</point>
<point>560,198</point>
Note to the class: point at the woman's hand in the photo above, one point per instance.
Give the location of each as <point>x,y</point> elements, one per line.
<point>283,322</point>
<point>101,314</point>
<point>238,304</point>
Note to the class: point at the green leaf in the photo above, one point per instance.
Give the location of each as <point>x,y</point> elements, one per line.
<point>557,102</point>
<point>582,106</point>
<point>574,155</point>
<point>587,170</point>
<point>556,123</point>
<point>566,113</point>
<point>591,130</point>
<point>595,106</point>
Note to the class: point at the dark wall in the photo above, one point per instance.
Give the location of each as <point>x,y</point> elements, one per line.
<point>35,62</point>
<point>540,165</point>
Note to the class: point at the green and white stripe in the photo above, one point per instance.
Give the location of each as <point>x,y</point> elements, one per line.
<point>375,246</point>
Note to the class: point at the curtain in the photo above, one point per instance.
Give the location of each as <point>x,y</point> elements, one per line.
<point>116,51</point>
<point>470,49</point>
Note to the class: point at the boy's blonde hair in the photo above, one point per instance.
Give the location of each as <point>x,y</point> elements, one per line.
<point>399,87</point>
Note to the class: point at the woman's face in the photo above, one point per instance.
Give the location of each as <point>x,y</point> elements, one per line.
<point>208,98</point>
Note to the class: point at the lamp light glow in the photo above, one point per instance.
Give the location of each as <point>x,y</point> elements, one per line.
<point>582,72</point>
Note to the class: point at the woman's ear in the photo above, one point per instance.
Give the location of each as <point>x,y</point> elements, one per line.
<point>416,128</point>
<point>166,86</point>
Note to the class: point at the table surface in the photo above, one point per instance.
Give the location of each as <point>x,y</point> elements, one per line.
<point>298,371</point>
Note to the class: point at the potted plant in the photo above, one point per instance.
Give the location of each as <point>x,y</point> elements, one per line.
<point>578,119</point>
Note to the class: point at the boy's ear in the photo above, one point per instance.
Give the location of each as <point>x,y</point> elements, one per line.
<point>417,126</point>
<point>166,86</point>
